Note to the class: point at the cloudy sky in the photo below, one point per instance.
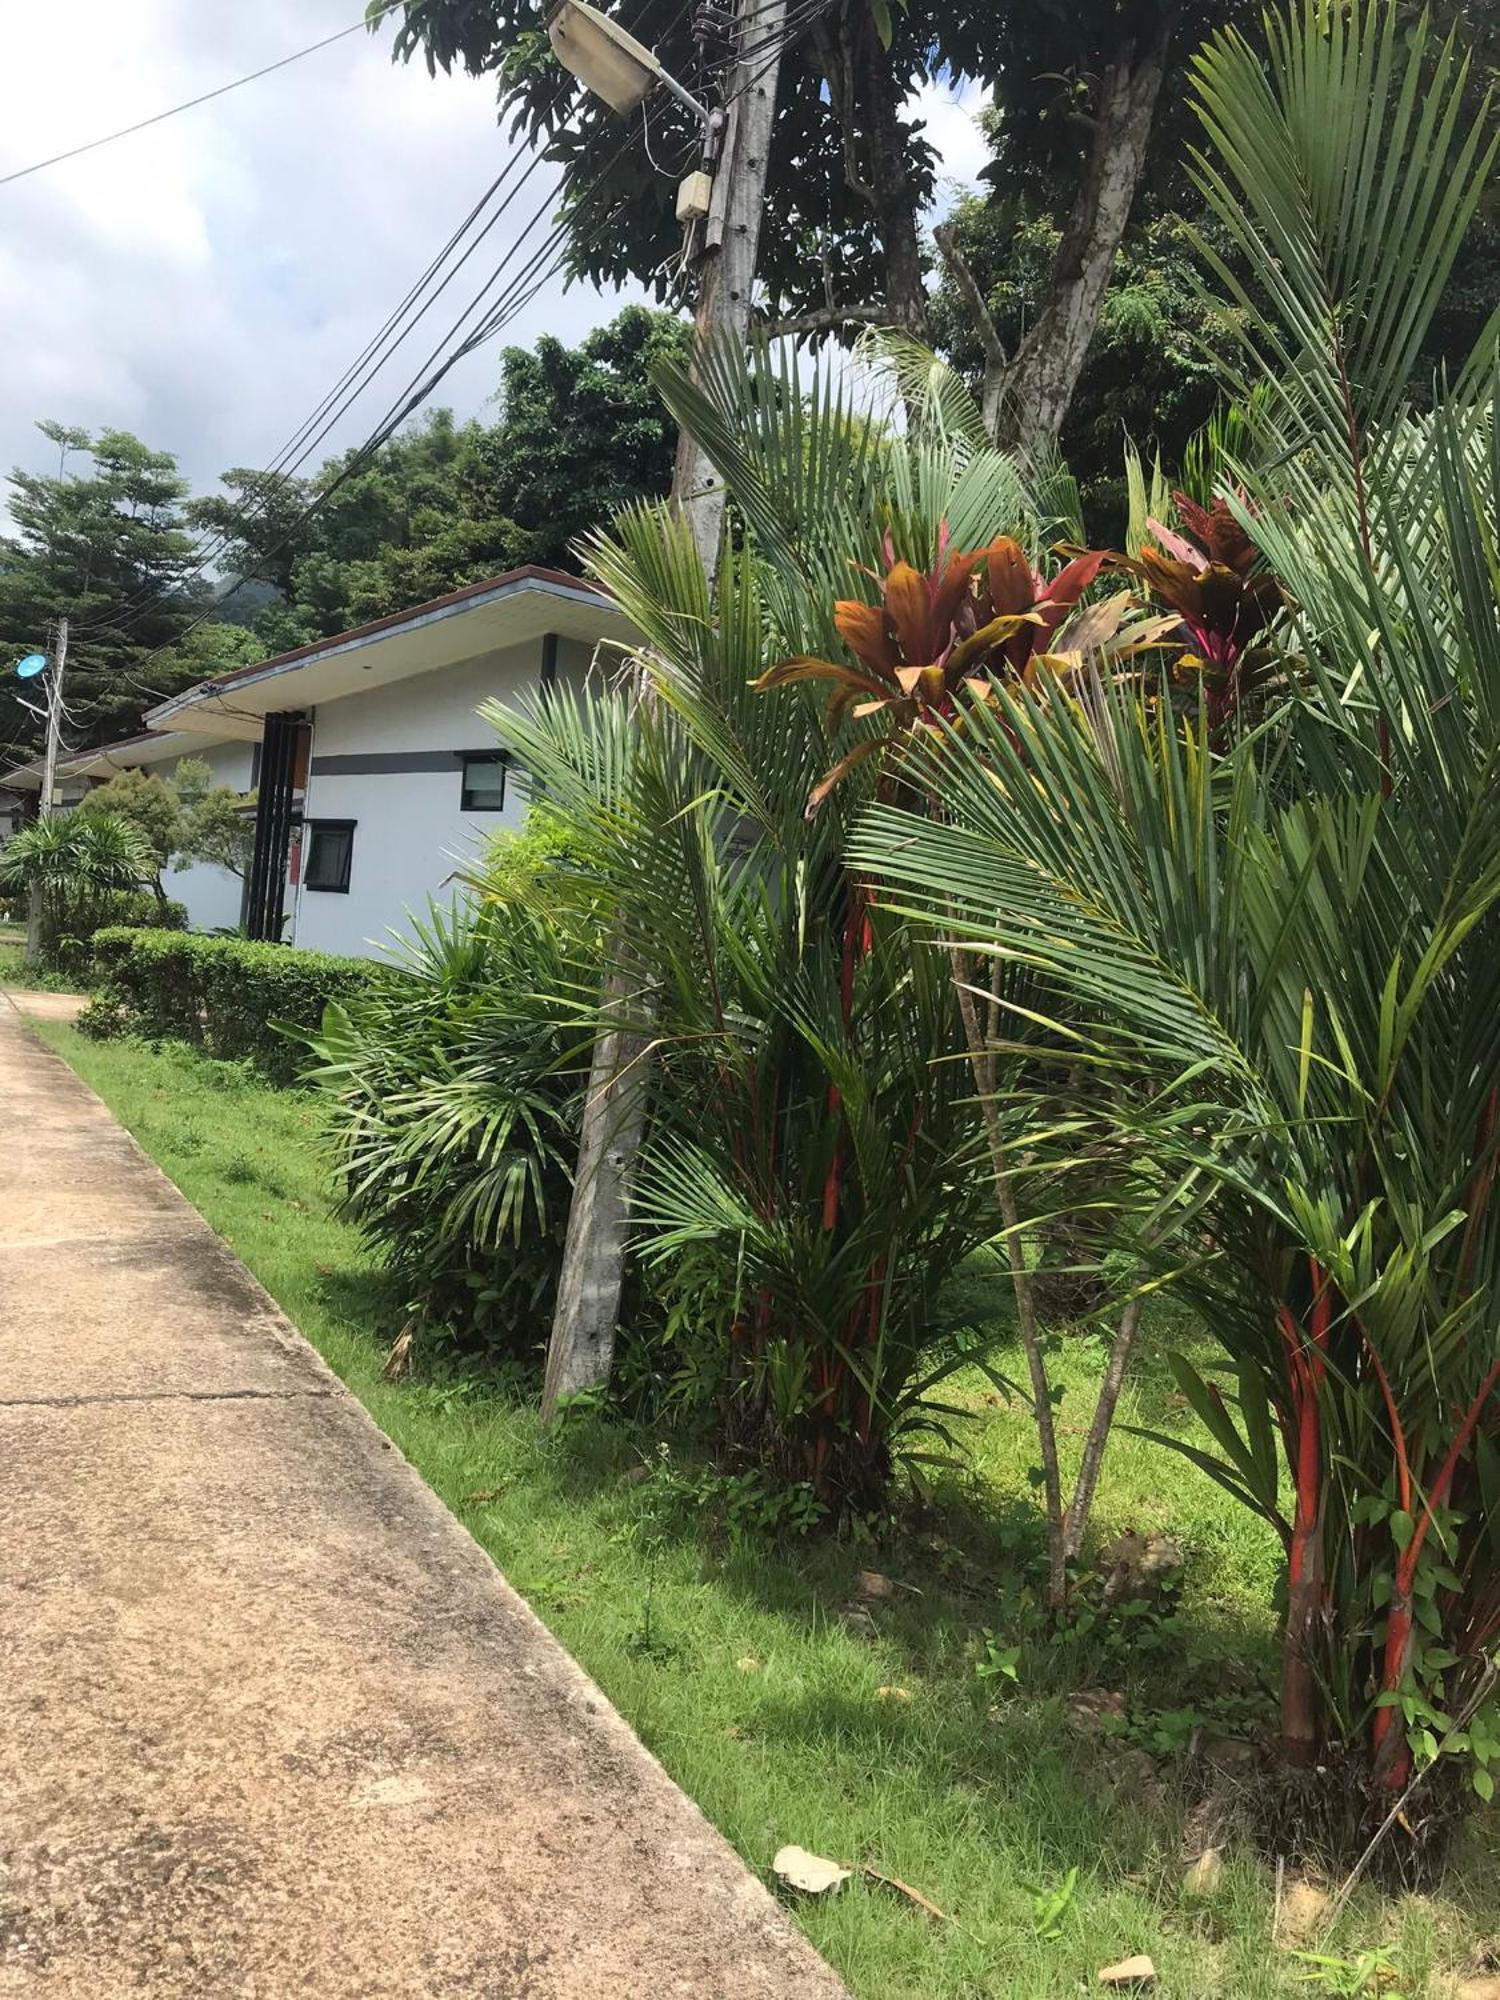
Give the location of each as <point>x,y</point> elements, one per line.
<point>205,283</point>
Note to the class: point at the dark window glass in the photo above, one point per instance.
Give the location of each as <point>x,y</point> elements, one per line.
<point>484,782</point>
<point>330,850</point>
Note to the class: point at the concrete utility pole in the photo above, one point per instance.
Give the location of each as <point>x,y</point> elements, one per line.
<point>55,672</point>
<point>581,1351</point>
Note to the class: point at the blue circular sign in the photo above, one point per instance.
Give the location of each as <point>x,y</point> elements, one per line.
<point>31,666</point>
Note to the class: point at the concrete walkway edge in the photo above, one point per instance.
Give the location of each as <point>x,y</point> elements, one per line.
<point>274,1722</point>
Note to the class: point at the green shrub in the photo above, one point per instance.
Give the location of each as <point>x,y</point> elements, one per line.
<point>231,997</point>
<point>453,1095</point>
<point>88,869</point>
<point>70,953</point>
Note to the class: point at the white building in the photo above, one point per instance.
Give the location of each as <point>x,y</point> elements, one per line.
<point>375,779</point>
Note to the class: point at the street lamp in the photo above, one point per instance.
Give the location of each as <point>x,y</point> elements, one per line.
<point>610,62</point>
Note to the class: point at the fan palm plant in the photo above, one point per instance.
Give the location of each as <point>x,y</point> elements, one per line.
<point>78,862</point>
<point>1293,939</point>
<point>452,1101</point>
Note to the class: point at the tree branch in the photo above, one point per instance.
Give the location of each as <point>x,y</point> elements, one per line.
<point>826,319</point>
<point>996,361</point>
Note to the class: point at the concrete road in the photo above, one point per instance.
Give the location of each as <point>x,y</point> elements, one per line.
<point>271,1723</point>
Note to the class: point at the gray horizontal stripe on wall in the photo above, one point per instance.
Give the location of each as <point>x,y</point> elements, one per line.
<point>375,763</point>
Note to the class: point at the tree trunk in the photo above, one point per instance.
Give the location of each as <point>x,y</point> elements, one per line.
<point>1103,1422</point>
<point>1301,1698</point>
<point>1045,368</point>
<point>982,1067</point>
<point>863,92</point>
<point>589,1281</point>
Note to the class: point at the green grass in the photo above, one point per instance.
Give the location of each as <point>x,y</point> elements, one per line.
<point>731,1661</point>
<point>15,972</point>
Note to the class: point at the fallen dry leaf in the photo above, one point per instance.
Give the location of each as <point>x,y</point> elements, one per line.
<point>1303,1911</point>
<point>398,1362</point>
<point>811,1873</point>
<point>1130,1972</point>
<point>1203,1877</point>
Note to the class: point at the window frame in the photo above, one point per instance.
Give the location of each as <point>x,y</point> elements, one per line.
<point>312,827</point>
<point>468,757</point>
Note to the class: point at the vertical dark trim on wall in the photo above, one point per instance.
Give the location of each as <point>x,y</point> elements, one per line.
<point>549,661</point>
<point>265,895</point>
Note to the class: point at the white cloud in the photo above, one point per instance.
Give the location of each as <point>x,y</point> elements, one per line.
<point>204,283</point>
<point>951,113</point>
<point>207,281</point>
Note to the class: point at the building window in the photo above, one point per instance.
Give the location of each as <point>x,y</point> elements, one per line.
<point>329,849</point>
<point>484,781</point>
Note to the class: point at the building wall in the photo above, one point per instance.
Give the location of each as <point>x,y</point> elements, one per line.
<point>389,761</point>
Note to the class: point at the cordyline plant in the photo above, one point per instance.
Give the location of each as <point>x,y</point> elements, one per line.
<point>812,1172</point>
<point>973,613</point>
<point>1292,939</point>
<point>1216,581</point>
<point>976,619</point>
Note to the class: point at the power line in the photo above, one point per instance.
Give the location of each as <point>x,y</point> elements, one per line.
<point>159,117</point>
<point>373,358</point>
<point>523,288</point>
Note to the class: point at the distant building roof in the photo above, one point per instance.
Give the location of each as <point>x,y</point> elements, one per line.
<point>510,609</point>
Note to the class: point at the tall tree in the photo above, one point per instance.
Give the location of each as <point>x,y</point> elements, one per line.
<point>1077,89</point>
<point>104,545</point>
<point>581,433</point>
<point>1147,366</point>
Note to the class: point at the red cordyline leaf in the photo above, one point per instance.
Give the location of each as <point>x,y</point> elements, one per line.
<point>1012,583</point>
<point>1217,532</point>
<point>863,629</point>
<point>954,590</point>
<point>976,609</point>
<point>909,607</point>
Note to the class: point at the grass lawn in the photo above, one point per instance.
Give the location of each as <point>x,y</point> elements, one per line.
<point>883,1745</point>
<point>14,971</point>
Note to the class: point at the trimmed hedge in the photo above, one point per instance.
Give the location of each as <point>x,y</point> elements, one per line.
<point>222,994</point>
<point>71,953</point>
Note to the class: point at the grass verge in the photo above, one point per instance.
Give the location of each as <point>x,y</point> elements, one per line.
<point>934,1735</point>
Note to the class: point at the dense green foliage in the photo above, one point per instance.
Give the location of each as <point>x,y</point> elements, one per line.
<point>89,870</point>
<point>852,171</point>
<point>579,434</point>
<point>238,1000</point>
<point>453,1093</point>
<point>184,818</point>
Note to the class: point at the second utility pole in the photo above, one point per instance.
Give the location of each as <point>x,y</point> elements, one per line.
<point>55,670</point>
<point>581,1351</point>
